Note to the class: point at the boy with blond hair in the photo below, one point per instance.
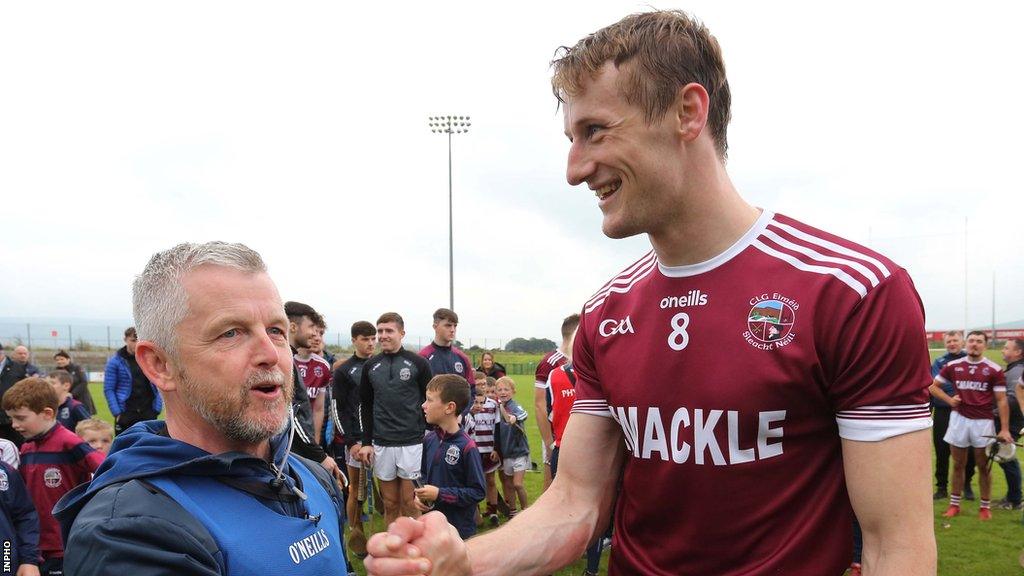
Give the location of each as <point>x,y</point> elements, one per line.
<point>53,460</point>
<point>512,444</point>
<point>70,411</point>
<point>96,433</point>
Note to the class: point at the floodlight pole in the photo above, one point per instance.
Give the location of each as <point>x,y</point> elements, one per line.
<point>450,125</point>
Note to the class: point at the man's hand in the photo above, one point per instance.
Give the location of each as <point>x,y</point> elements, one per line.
<point>28,570</point>
<point>955,401</point>
<point>353,452</point>
<point>1004,436</point>
<point>331,466</point>
<point>415,547</point>
<point>366,455</point>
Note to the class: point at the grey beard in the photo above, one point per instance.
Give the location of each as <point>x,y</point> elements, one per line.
<point>233,425</point>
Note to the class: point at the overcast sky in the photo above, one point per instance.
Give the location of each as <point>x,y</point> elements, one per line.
<point>300,129</point>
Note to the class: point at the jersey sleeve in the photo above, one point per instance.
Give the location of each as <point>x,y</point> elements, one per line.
<point>878,364</point>
<point>945,375</point>
<point>540,377</point>
<point>999,381</point>
<point>590,395</point>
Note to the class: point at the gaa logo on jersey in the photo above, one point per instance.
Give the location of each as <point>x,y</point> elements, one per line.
<point>404,374</point>
<point>4,484</point>
<point>451,455</point>
<point>770,321</point>
<point>52,477</point>
<point>458,367</point>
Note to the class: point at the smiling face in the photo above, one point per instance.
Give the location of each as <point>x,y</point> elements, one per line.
<point>233,364</point>
<point>390,336</point>
<point>636,169</point>
<point>504,392</point>
<point>954,343</point>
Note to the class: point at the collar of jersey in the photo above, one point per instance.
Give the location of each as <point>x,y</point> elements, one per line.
<point>728,254</point>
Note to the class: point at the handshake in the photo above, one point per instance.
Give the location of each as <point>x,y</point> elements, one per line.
<point>413,547</point>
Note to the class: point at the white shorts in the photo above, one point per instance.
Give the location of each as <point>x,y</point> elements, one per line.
<point>397,461</point>
<point>352,462</point>
<point>510,466</point>
<point>964,432</point>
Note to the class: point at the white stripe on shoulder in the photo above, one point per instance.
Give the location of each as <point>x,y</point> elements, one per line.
<point>800,265</point>
<point>832,246</point>
<point>992,363</point>
<point>621,289</point>
<point>555,357</point>
<point>625,276</point>
<point>863,270</point>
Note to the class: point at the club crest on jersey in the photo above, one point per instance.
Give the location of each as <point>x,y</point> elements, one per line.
<point>404,374</point>
<point>318,371</point>
<point>459,367</point>
<point>52,477</point>
<point>4,484</point>
<point>451,455</point>
<point>610,327</point>
<point>770,321</point>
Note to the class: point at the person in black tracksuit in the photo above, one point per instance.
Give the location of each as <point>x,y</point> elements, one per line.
<point>392,392</point>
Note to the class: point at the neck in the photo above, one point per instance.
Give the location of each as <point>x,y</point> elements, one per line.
<point>303,353</point>
<point>566,349</point>
<point>712,218</point>
<point>973,357</point>
<point>359,354</point>
<point>450,425</point>
<point>192,429</point>
<point>444,343</point>
<point>64,397</point>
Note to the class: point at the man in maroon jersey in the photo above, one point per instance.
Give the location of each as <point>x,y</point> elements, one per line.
<point>545,367</point>
<point>752,382</point>
<point>979,383</point>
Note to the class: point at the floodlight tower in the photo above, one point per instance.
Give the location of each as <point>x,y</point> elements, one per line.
<point>450,125</point>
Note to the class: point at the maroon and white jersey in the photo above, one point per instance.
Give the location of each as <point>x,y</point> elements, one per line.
<point>733,381</point>
<point>547,364</point>
<point>976,383</point>
<point>315,373</point>
<point>483,431</point>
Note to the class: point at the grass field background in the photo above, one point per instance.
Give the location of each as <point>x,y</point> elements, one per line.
<point>967,546</point>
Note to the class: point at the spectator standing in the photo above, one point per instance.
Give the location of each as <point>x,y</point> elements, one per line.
<point>1013,355</point>
<point>541,403</point>
<point>954,341</point>
<point>11,372</point>
<point>442,354</point>
<point>53,461</point>
<point>96,433</point>
<point>21,355</point>
<point>513,446</point>
<point>453,479</point>
<point>392,392</point>
<point>79,380</point>
<point>69,411</point>
<point>489,367</point>
<point>485,416</point>
<point>130,395</point>
<point>978,382</point>
<point>19,524</point>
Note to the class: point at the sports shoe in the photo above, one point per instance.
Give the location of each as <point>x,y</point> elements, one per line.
<point>951,511</point>
<point>357,543</point>
<point>940,494</point>
<point>984,514</point>
<point>492,519</point>
<point>854,569</point>
<point>1011,506</point>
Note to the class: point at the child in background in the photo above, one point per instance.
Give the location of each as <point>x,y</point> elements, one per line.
<point>53,460</point>
<point>70,411</point>
<point>512,444</point>
<point>492,389</point>
<point>453,480</point>
<point>485,415</point>
<point>19,524</point>
<point>96,433</point>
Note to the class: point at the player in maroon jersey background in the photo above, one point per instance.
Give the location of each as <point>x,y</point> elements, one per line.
<point>752,381</point>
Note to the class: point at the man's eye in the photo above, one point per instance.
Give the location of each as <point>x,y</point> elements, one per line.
<point>275,331</point>
<point>593,129</point>
<point>230,333</point>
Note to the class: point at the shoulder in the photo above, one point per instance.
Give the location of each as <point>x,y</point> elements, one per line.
<point>317,359</point>
<point>131,523</point>
<point>988,362</point>
<point>427,350</point>
<point>415,358</point>
<point>623,282</point>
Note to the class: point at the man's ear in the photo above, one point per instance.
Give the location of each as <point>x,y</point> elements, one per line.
<point>691,109</point>
<point>156,365</point>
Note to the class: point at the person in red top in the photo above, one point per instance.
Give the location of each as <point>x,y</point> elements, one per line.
<point>317,376</point>
<point>752,382</point>
<point>979,382</point>
<point>545,367</point>
<point>53,460</point>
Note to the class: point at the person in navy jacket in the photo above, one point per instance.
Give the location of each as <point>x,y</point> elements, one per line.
<point>453,477</point>
<point>19,523</point>
<point>132,397</point>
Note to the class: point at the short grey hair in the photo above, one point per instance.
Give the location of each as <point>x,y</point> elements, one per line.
<point>159,301</point>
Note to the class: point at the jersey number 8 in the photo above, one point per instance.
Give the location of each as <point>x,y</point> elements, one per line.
<point>679,338</point>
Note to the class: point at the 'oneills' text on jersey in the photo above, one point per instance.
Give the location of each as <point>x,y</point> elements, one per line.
<point>734,381</point>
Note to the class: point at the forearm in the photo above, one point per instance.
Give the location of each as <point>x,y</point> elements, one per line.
<point>1003,406</point>
<point>317,405</point>
<point>490,553</point>
<point>937,392</point>
<point>540,405</point>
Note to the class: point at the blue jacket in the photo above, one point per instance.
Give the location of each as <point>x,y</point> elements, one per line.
<point>117,385</point>
<point>452,463</point>
<point>936,368</point>
<point>510,439</point>
<point>120,523</point>
<point>19,523</point>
